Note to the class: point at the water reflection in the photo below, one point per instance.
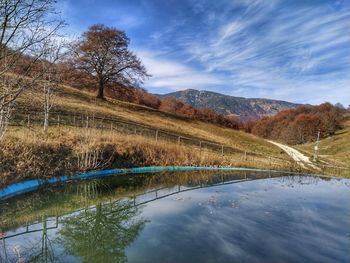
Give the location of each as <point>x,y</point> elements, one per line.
<point>101,234</point>
<point>93,234</point>
<point>54,201</point>
<point>181,217</point>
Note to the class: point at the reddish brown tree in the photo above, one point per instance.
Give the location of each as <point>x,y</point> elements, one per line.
<point>103,52</point>
<point>300,125</point>
<point>144,98</point>
<point>170,104</point>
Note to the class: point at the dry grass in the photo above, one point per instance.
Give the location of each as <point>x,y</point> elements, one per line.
<point>29,153</point>
<point>72,100</point>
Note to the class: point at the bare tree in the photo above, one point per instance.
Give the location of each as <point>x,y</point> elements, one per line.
<point>103,52</point>
<point>54,51</point>
<point>6,104</point>
<point>24,25</point>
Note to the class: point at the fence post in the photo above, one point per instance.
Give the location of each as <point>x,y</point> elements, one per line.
<point>200,147</point>
<point>222,150</point>
<point>245,155</point>
<point>111,126</point>
<point>135,130</point>
<point>87,121</point>
<point>157,131</point>
<point>28,121</point>
<point>179,140</point>
<point>58,120</point>
<point>74,120</point>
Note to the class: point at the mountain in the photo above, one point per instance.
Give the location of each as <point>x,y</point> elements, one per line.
<point>246,109</point>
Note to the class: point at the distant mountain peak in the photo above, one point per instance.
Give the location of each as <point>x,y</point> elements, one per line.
<point>245,108</point>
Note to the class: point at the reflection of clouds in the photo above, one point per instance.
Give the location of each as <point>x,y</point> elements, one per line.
<point>166,207</point>
<point>293,218</point>
<point>274,222</point>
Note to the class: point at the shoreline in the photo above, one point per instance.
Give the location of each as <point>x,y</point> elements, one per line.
<point>19,188</point>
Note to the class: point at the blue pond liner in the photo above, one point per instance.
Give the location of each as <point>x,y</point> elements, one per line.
<point>31,185</point>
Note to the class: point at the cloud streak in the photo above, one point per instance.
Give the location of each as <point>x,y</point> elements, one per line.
<point>292,50</point>
<point>172,75</point>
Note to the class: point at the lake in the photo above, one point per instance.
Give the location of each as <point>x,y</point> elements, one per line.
<point>181,217</point>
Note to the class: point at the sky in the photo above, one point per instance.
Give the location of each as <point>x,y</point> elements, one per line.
<point>292,50</point>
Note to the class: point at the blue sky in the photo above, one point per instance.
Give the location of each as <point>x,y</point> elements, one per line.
<point>294,50</point>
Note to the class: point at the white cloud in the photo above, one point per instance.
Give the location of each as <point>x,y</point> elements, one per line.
<point>228,30</point>
<point>296,56</point>
<point>174,75</point>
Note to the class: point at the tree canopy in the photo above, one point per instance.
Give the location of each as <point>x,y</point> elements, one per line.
<point>300,125</point>
<point>103,52</point>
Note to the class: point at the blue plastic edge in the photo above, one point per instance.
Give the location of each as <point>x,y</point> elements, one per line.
<point>31,185</point>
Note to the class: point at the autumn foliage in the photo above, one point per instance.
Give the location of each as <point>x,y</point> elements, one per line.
<point>74,77</point>
<point>300,125</point>
<point>81,80</point>
<point>170,104</point>
<point>103,53</point>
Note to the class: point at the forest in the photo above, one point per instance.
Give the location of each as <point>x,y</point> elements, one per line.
<point>300,125</point>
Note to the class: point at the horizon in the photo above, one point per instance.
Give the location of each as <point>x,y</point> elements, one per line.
<point>282,50</point>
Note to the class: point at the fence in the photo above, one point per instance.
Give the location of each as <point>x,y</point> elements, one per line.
<point>75,119</point>
<point>30,119</point>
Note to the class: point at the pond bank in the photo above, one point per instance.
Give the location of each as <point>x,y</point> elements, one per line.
<point>34,184</point>
<point>26,155</point>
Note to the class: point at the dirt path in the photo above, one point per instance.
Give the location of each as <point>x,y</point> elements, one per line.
<point>296,155</point>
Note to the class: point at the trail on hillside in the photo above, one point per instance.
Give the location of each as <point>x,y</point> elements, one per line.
<point>295,155</point>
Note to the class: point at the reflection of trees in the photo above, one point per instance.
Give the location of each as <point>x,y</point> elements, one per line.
<point>40,251</point>
<point>101,234</point>
<point>45,252</point>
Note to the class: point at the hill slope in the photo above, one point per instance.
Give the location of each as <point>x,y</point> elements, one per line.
<point>245,108</point>
<point>28,152</point>
<point>335,149</point>
<point>72,100</point>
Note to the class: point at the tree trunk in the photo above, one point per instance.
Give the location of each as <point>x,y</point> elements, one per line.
<point>46,120</point>
<point>100,90</point>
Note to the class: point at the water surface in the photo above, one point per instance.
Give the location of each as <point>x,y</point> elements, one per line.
<point>181,217</point>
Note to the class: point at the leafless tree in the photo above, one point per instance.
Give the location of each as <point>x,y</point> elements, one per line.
<point>103,52</point>
<point>54,52</point>
<point>24,26</point>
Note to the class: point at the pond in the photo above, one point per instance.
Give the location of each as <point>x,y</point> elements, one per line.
<point>181,217</point>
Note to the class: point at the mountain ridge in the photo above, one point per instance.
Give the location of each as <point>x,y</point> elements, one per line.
<point>245,108</point>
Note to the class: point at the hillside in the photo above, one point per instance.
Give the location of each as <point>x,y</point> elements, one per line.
<point>28,152</point>
<point>333,150</point>
<point>245,108</point>
<point>72,100</point>
<point>300,125</point>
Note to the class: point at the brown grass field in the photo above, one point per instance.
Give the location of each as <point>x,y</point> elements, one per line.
<point>28,152</point>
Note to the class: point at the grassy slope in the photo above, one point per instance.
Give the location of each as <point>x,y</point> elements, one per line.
<point>29,153</point>
<point>70,99</point>
<point>334,150</point>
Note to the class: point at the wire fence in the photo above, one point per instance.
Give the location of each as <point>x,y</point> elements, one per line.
<point>115,124</point>
<point>32,118</point>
